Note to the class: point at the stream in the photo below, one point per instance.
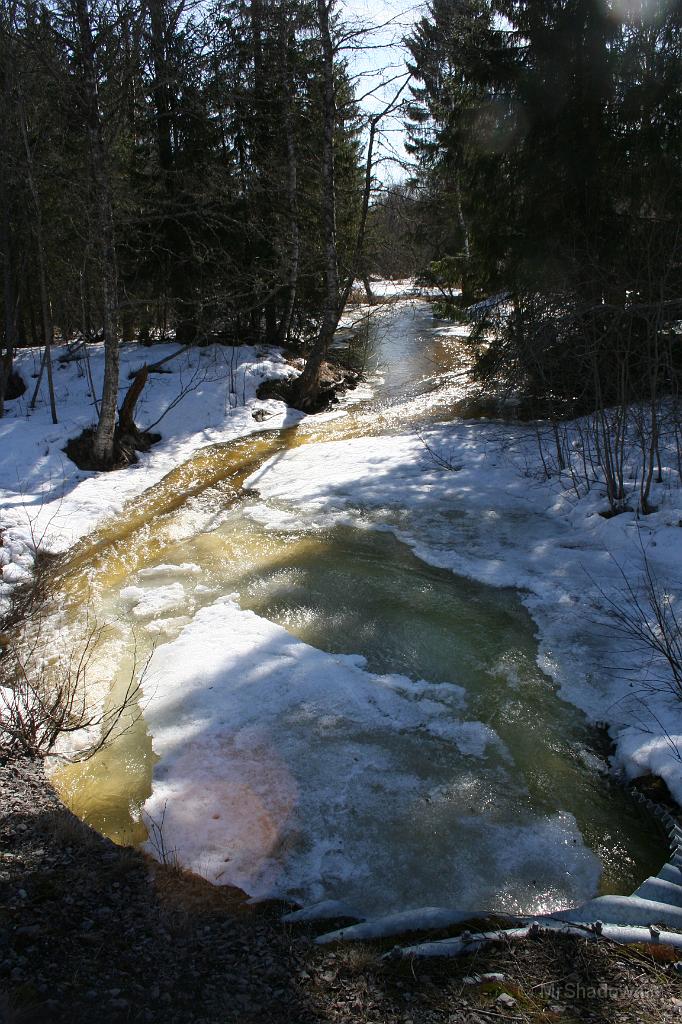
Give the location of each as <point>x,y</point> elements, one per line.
<point>491,793</point>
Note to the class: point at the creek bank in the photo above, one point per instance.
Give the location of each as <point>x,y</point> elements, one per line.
<point>335,381</point>
<point>47,503</point>
<point>126,446</point>
<point>89,930</point>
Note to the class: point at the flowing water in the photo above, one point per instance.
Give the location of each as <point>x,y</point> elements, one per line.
<point>489,815</point>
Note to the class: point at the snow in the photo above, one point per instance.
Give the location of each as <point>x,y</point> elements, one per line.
<point>151,603</point>
<point>181,569</point>
<point>642,752</point>
<point>237,708</point>
<point>402,288</point>
<point>494,519</point>
<point>290,772</point>
<point>326,910</point>
<point>384,288</point>
<point>47,503</point>
<point>400,923</point>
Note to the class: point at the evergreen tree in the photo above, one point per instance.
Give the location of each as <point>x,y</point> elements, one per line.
<point>162,173</point>
<point>558,127</point>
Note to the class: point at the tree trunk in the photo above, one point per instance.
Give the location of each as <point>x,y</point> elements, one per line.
<point>126,417</point>
<point>9,300</point>
<point>163,20</point>
<point>103,445</point>
<point>357,259</point>
<point>309,382</point>
<point>291,188</point>
<point>45,306</point>
<point>6,357</point>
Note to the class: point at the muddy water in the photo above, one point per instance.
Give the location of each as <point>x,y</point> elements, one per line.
<point>196,536</point>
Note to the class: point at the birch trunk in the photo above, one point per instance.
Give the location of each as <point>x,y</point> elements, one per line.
<point>103,445</point>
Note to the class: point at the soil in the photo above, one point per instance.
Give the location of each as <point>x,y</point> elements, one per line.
<point>80,449</point>
<point>94,932</point>
<point>335,380</point>
<point>15,386</point>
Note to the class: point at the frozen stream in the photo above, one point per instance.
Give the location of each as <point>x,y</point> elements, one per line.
<point>334,718</point>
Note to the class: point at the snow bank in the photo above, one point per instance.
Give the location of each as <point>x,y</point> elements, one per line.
<point>288,771</point>
<point>384,288</point>
<point>46,502</point>
<point>493,519</point>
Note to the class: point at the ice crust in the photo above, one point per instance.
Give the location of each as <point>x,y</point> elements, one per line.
<point>287,771</point>
<point>492,520</point>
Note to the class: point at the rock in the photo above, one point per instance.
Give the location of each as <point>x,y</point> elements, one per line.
<point>506,1001</point>
<point>483,979</point>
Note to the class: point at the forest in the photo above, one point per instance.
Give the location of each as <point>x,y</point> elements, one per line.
<point>552,136</point>
<point>175,169</point>
<point>206,171</point>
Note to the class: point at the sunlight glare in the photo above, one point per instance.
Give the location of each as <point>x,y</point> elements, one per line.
<point>640,12</point>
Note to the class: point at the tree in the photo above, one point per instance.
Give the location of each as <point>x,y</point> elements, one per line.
<point>537,115</point>
<point>338,281</point>
<point>86,58</point>
<point>6,188</point>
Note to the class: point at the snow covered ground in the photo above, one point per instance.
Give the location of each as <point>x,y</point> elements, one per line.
<point>385,289</point>
<point>46,502</point>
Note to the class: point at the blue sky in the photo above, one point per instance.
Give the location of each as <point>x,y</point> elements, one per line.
<point>378,61</point>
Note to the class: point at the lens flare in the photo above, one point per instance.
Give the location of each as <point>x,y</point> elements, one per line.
<point>638,12</point>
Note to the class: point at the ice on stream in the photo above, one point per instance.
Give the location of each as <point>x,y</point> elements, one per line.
<point>152,603</point>
<point>288,771</point>
<point>490,516</point>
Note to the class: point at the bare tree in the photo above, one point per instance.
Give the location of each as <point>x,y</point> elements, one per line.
<point>43,700</point>
<point>336,292</point>
<point>644,614</point>
<point>103,442</point>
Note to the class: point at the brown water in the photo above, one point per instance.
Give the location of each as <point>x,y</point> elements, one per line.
<point>346,591</point>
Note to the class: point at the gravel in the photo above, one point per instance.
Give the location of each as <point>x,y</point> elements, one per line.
<point>92,932</point>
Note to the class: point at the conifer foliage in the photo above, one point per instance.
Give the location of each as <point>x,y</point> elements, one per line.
<point>169,168</point>
<point>552,136</point>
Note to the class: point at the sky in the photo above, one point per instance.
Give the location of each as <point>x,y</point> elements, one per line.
<point>378,62</point>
